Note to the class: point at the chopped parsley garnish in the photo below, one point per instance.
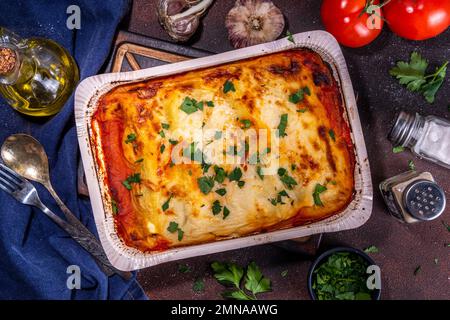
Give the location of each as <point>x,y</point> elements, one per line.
<point>220,174</point>
<point>190,105</point>
<point>139,160</point>
<point>218,135</point>
<point>245,123</point>
<point>342,276</point>
<point>411,165</point>
<point>316,194</point>
<point>221,192</point>
<point>205,184</point>
<point>115,208</point>
<point>199,285</point>
<point>371,249</point>
<point>193,153</point>
<point>241,184</point>
<point>398,149</point>
<point>165,205</point>
<point>282,126</point>
<point>173,227</point>
<point>289,36</point>
<point>173,142</point>
<point>226,212</point>
<point>259,171</point>
<point>287,180</point>
<point>332,134</point>
<point>135,178</point>
<point>413,75</point>
<point>205,167</point>
<point>235,175</point>
<point>228,86</point>
<point>302,110</point>
<point>210,104</point>
<point>165,126</point>
<point>279,198</point>
<point>216,207</point>
<point>162,134</point>
<point>130,138</point>
<point>299,95</point>
<point>162,148</point>
<point>293,167</point>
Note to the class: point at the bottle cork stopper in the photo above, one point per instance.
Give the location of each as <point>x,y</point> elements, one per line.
<point>7,60</point>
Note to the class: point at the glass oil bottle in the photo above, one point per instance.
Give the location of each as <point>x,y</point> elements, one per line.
<point>37,75</point>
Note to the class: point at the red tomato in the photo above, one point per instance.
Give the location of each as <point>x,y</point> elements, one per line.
<point>349,23</point>
<point>418,19</point>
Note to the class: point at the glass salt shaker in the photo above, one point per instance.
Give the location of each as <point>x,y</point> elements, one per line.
<point>413,197</point>
<point>428,137</point>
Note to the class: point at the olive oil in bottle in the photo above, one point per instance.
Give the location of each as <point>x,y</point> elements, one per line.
<point>37,75</point>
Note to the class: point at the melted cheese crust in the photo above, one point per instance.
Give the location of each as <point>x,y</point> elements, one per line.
<point>316,150</point>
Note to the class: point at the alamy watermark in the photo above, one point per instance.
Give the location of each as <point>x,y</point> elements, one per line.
<point>74,19</point>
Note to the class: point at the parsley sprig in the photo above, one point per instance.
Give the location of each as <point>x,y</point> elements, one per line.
<point>413,75</point>
<point>232,274</point>
<point>134,178</point>
<point>173,227</point>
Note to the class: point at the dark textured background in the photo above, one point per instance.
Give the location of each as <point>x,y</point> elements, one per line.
<point>402,247</point>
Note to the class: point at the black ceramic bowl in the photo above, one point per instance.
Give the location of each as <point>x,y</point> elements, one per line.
<point>376,295</point>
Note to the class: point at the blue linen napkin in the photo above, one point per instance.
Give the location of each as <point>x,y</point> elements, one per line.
<point>34,252</point>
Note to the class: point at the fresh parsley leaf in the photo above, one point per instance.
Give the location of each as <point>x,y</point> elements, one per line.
<point>165,126</point>
<point>135,178</point>
<point>180,234</point>
<point>139,160</point>
<point>302,110</point>
<point>417,270</point>
<point>316,194</point>
<point>255,281</point>
<point>332,134</point>
<point>199,285</point>
<point>237,295</point>
<point>371,249</point>
<point>245,123</point>
<point>173,142</point>
<point>130,138</point>
<point>398,149</point>
<point>228,86</point>
<point>205,166</point>
<point>290,37</point>
<point>221,192</point>
<point>205,184</point>
<point>299,95</point>
<point>411,165</point>
<point>162,134</point>
<point>226,212</point>
<point>413,75</point>
<point>162,148</point>
<point>241,184</point>
<point>189,105</point>
<point>114,206</point>
<point>184,268</point>
<point>210,104</point>
<point>220,174</point>
<point>173,227</point>
<point>260,173</point>
<point>287,180</point>
<point>228,273</point>
<point>282,125</point>
<point>235,175</point>
<point>216,207</point>
<point>165,205</point>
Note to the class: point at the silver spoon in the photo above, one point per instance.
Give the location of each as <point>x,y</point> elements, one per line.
<point>26,156</point>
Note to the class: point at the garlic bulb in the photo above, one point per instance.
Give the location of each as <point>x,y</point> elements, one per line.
<point>252,22</point>
<point>180,18</point>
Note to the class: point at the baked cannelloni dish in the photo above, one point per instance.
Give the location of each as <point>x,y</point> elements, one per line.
<point>243,148</point>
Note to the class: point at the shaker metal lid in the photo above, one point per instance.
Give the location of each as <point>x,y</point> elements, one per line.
<point>424,200</point>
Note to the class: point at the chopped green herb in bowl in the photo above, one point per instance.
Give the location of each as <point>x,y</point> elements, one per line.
<point>340,274</point>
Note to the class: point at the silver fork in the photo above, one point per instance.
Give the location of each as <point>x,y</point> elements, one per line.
<point>24,192</point>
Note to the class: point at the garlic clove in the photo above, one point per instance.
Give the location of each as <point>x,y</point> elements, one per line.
<point>252,22</point>
<point>181,18</point>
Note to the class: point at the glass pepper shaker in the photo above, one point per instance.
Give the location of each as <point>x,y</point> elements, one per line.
<point>428,137</point>
<point>413,197</point>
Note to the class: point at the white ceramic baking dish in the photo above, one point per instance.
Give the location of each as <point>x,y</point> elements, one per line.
<point>126,258</point>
